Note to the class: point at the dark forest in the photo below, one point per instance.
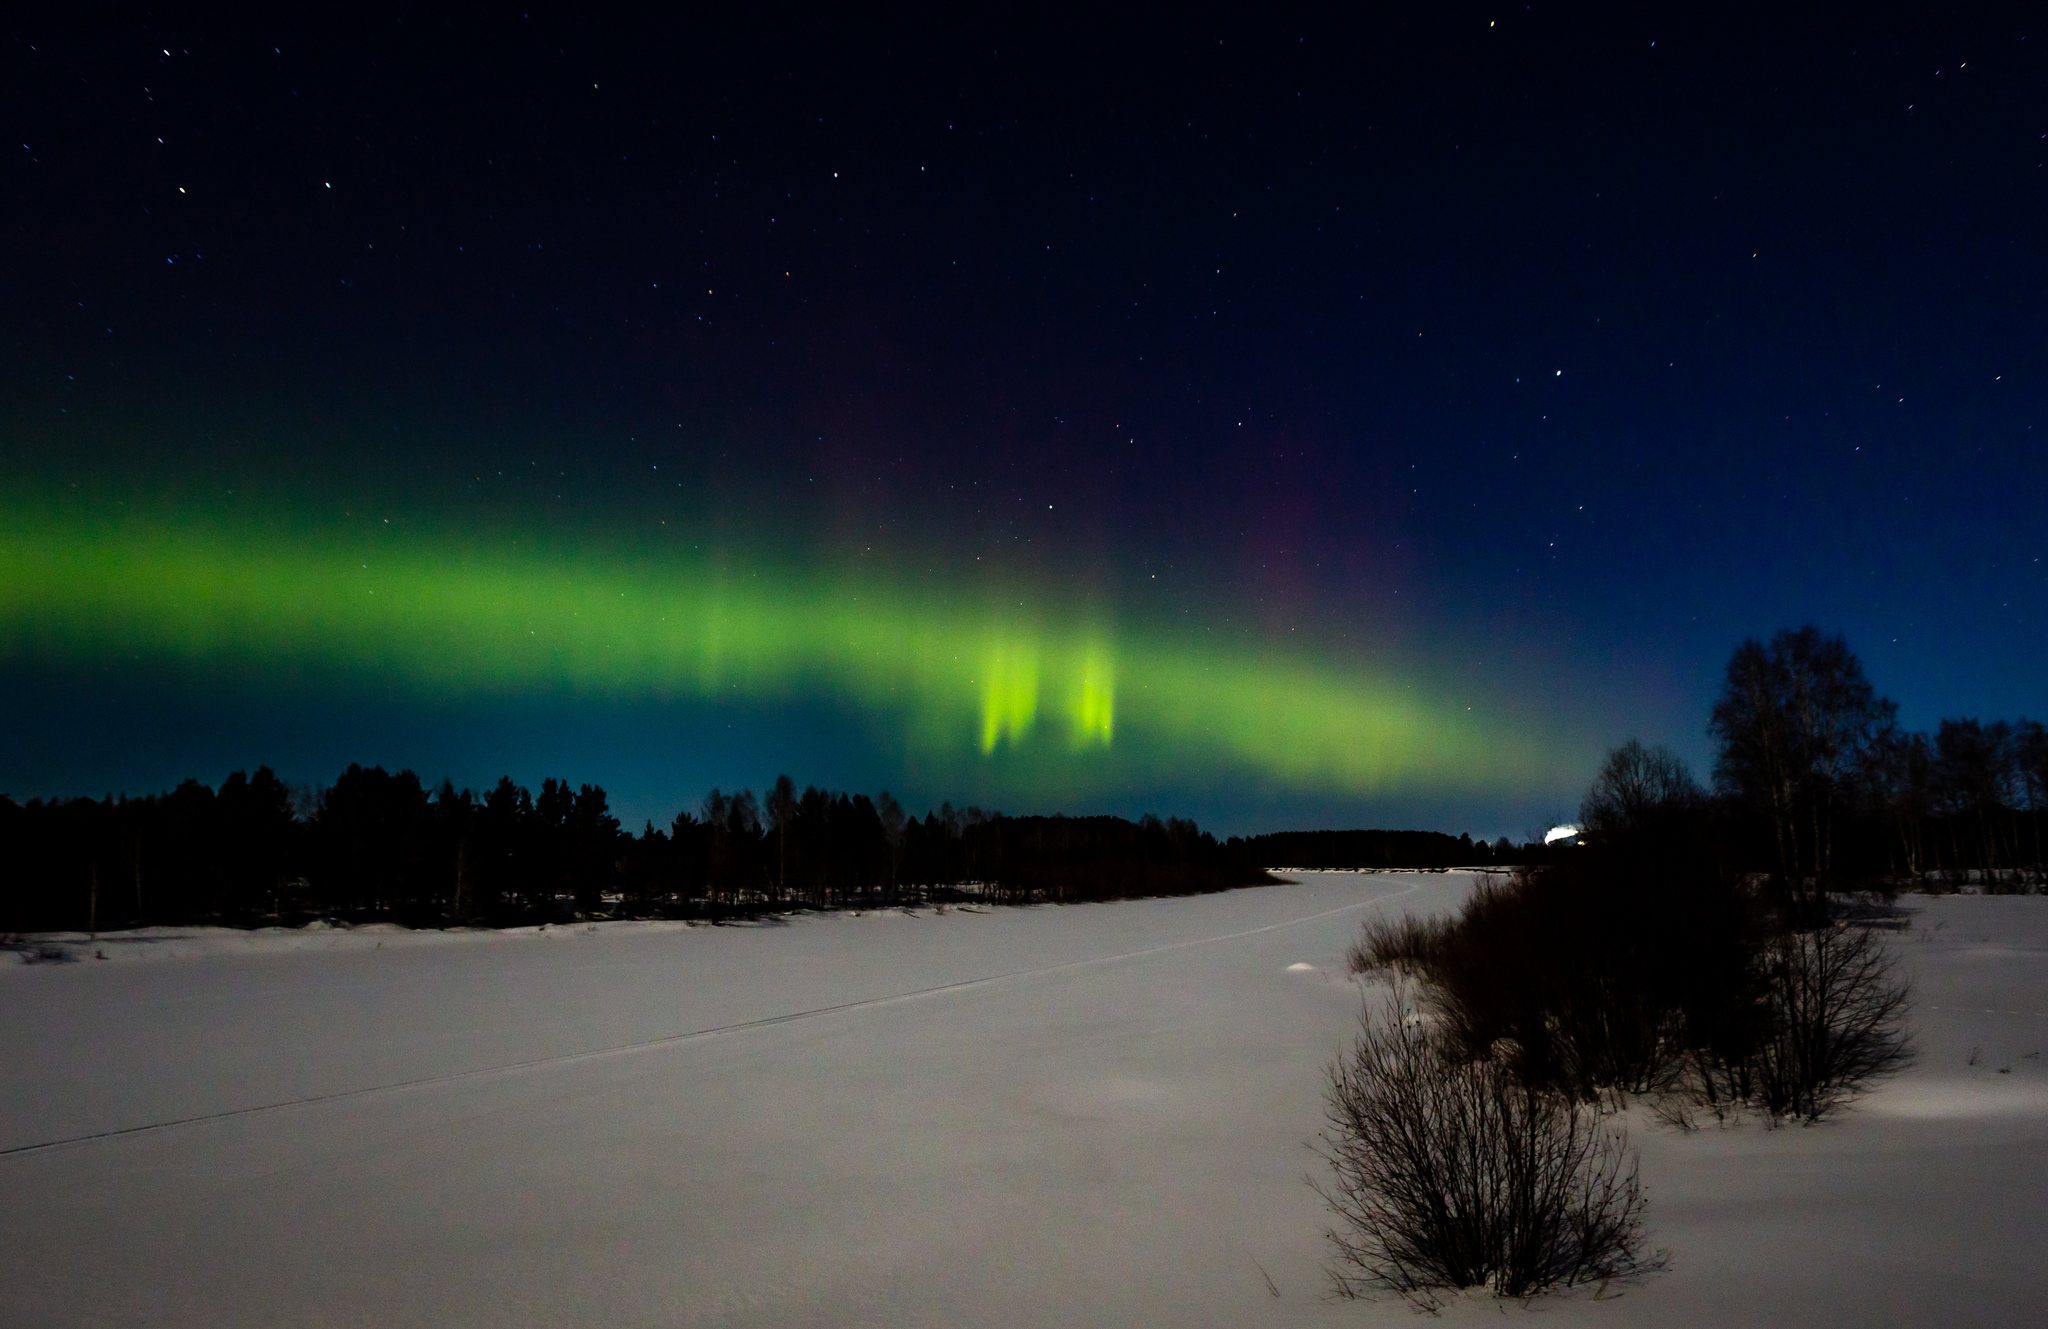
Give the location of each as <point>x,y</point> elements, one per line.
<point>379,845</point>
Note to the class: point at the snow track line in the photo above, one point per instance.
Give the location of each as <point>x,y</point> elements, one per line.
<point>672,1040</point>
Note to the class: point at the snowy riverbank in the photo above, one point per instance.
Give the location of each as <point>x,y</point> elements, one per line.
<point>1082,1115</point>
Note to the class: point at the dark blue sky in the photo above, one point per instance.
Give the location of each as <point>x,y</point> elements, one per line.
<point>1557,353</point>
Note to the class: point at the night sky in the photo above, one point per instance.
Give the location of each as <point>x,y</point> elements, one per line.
<point>1281,424</point>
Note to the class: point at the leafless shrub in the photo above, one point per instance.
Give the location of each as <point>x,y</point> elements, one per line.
<point>1451,1174</point>
<point>1405,944</point>
<point>1837,1019</point>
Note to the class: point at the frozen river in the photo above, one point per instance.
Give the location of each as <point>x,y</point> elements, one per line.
<point>1082,1115</point>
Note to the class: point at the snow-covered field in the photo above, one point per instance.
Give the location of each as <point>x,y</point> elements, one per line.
<point>1091,1115</point>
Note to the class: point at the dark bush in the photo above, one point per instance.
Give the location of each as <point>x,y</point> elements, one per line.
<point>1406,944</point>
<point>1589,975</point>
<point>1608,974</point>
<point>1450,1173</point>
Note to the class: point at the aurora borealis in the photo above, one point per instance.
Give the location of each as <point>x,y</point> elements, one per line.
<point>960,676</point>
<point>1352,423</point>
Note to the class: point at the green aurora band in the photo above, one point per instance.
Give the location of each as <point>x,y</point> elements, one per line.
<point>1061,702</point>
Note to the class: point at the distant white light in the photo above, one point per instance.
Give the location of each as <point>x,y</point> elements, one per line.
<point>1556,833</point>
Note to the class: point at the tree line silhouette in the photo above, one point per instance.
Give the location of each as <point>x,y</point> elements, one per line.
<point>379,845</point>
<point>1814,781</point>
<point>1345,850</point>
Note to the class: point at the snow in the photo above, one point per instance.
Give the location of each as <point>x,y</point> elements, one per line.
<point>1082,1115</point>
